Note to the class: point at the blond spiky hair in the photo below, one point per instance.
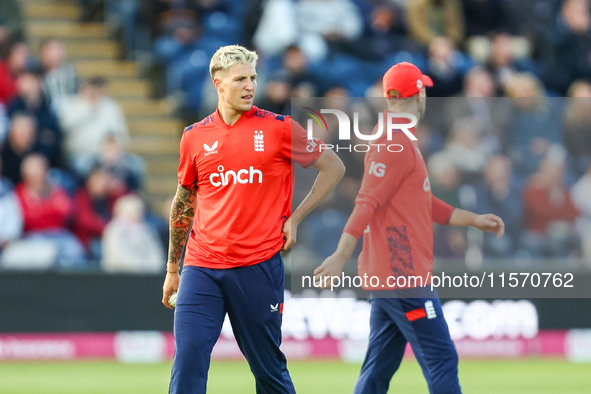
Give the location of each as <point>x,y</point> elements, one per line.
<point>227,56</point>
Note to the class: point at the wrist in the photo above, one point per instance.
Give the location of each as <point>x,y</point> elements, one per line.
<point>172,268</point>
<point>472,219</point>
<point>342,256</point>
<point>295,219</point>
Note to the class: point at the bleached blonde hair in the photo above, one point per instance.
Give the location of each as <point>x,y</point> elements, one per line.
<point>227,56</point>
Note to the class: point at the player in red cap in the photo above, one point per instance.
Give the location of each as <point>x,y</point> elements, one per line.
<point>394,210</point>
<point>233,203</point>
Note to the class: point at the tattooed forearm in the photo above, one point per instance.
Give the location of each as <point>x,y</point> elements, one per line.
<point>181,217</point>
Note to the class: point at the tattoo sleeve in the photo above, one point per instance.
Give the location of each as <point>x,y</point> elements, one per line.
<point>181,217</point>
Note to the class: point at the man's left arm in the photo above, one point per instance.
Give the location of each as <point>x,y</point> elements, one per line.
<point>331,170</point>
<point>445,214</point>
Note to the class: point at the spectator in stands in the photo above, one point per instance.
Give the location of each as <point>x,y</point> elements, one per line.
<point>535,122</point>
<point>11,16</point>
<point>484,16</point>
<point>93,211</point>
<point>466,148</point>
<point>430,141</point>
<point>59,79</point>
<point>10,212</point>
<point>177,53</point>
<point>30,98</point>
<point>444,177</point>
<point>129,243</point>
<point>296,67</point>
<point>428,19</point>
<point>580,193</point>
<point>47,210</point>
<point>477,101</point>
<point>125,20</point>
<point>277,26</point>
<point>12,63</point>
<point>570,46</point>
<point>499,192</point>
<point>337,97</point>
<point>385,33</point>
<point>446,67</point>
<point>478,83</point>
<point>20,142</point>
<point>88,119</point>
<point>577,124</point>
<point>324,22</point>
<point>277,95</point>
<point>165,14</point>
<point>549,210</point>
<point>126,170</point>
<point>503,62</point>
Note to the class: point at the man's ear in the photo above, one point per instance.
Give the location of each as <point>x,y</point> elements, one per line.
<point>217,84</point>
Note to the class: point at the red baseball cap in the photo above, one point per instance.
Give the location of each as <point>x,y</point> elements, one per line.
<point>405,78</point>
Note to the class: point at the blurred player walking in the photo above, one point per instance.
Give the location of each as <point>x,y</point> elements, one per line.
<point>396,206</point>
<point>237,164</point>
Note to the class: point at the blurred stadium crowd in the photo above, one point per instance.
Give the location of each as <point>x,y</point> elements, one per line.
<point>512,136</point>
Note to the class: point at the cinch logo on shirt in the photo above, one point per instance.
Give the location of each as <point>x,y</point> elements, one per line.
<point>241,176</point>
<point>377,169</point>
<point>312,144</point>
<point>210,149</point>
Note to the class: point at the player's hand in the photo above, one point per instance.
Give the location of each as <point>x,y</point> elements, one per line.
<point>171,285</point>
<point>491,223</point>
<point>332,266</point>
<point>290,234</point>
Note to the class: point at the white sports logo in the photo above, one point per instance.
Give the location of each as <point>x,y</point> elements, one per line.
<point>259,142</point>
<point>223,178</point>
<point>419,83</point>
<point>430,309</point>
<point>377,169</point>
<point>274,308</point>
<point>210,149</point>
<point>426,184</point>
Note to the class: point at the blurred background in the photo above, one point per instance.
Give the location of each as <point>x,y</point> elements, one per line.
<point>94,95</point>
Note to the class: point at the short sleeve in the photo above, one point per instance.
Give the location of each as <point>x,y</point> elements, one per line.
<point>295,145</point>
<point>187,173</point>
<point>441,211</point>
<point>384,172</point>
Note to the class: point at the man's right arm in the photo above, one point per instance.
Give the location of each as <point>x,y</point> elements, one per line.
<point>380,181</point>
<point>182,213</point>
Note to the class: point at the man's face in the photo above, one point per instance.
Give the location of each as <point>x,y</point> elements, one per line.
<point>237,86</point>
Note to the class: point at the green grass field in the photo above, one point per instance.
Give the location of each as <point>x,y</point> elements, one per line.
<point>330,377</point>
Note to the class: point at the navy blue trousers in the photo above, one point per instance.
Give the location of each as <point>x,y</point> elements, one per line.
<point>393,323</point>
<point>253,299</point>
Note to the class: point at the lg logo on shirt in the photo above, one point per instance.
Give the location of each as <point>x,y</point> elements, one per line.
<point>241,176</point>
<point>377,169</point>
